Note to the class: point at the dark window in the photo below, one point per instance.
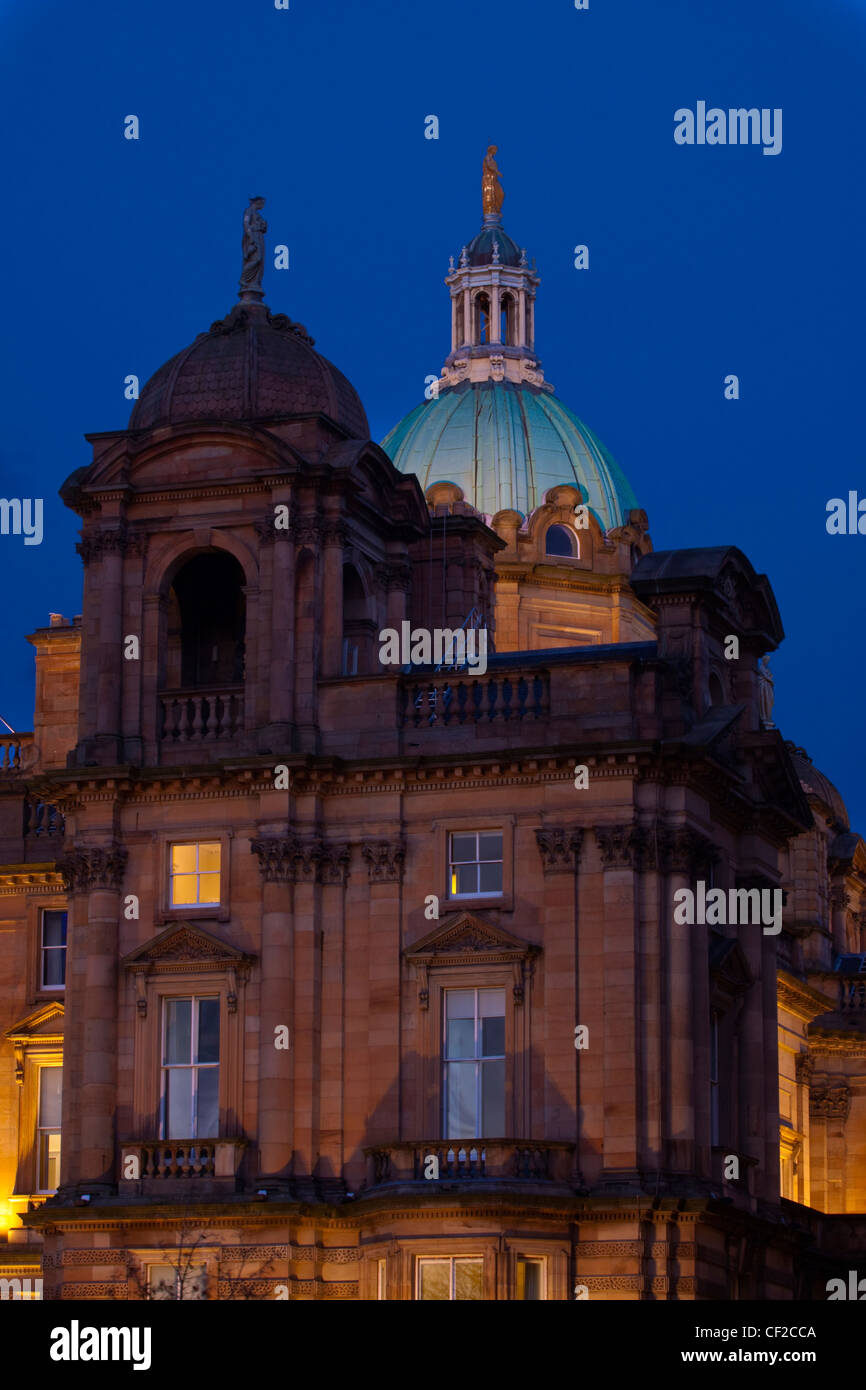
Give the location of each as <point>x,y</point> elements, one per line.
<point>559,541</point>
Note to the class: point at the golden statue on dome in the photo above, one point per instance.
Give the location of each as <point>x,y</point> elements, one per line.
<point>492,192</point>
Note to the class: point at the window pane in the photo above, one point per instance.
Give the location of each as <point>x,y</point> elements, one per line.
<point>208,1103</point>
<point>529,1279</point>
<point>178,1018</point>
<point>493,1037</point>
<point>490,846</point>
<point>163,1282</point>
<point>460,1041</point>
<point>465,879</point>
<point>49,1163</point>
<point>208,1030</point>
<point>54,968</point>
<point>460,1003</point>
<point>178,1108</point>
<point>50,1084</point>
<point>435,1280</point>
<point>183,889</point>
<point>468,1279</point>
<point>209,856</point>
<point>491,1003</point>
<point>493,1099</point>
<point>183,859</point>
<point>490,878</point>
<point>54,929</point>
<point>192,1281</point>
<point>209,888</point>
<point>463,848</point>
<point>460,1116</point>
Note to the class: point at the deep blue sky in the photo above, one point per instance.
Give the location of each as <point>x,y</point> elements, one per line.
<point>703,261</point>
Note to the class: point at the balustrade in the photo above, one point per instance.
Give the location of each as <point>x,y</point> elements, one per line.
<point>454,701</point>
<point>201,716</point>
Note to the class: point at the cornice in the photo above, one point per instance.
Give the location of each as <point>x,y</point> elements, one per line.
<point>802,999</point>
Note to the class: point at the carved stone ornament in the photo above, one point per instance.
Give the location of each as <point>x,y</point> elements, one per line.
<point>804,1065</point>
<point>85,869</point>
<point>830,1102</point>
<point>287,859</point>
<point>119,541</point>
<point>559,848</point>
<point>628,846</point>
<point>385,860</point>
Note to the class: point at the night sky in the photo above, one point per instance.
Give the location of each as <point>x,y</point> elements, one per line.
<point>704,260</point>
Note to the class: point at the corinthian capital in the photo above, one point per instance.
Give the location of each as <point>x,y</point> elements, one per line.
<point>384,860</point>
<point>84,869</point>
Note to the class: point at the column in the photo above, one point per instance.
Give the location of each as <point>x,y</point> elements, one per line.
<point>276,863</point>
<point>282,686</point>
<point>95,876</point>
<point>384,859</point>
<point>622,1001</point>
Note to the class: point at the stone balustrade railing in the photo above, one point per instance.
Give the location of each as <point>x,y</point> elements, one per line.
<point>201,716</point>
<point>17,752</point>
<point>468,1160</point>
<point>164,1160</point>
<point>463,699</point>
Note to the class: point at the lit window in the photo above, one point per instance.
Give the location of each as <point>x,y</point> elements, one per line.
<point>50,1087</point>
<point>52,972</point>
<point>475,864</point>
<point>560,541</point>
<point>530,1278</point>
<point>195,874</point>
<point>184,1281</point>
<point>474,1063</point>
<point>443,1279</point>
<point>381,1266</point>
<point>190,1069</point>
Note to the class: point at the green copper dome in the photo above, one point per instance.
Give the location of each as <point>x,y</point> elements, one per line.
<point>505,444</point>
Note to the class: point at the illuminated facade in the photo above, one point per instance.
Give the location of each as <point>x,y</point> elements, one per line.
<point>361,989</point>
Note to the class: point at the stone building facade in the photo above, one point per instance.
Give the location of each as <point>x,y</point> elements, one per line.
<point>368,981</point>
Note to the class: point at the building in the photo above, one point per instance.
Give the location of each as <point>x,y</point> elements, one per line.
<point>369,981</point>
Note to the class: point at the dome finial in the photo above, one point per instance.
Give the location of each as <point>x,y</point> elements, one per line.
<point>253,246</point>
<point>492,192</point>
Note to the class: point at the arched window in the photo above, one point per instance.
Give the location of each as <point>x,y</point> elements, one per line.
<point>482,319</point>
<point>560,541</point>
<point>358,628</point>
<point>507,333</point>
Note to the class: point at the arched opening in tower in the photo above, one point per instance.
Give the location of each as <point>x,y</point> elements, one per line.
<point>358,628</point>
<point>206,623</point>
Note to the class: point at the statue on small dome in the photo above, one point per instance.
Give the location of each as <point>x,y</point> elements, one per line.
<point>253,246</point>
<point>492,192</point>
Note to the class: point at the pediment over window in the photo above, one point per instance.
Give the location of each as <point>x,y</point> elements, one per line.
<point>462,938</point>
<point>182,944</point>
<point>183,949</point>
<point>44,1024</point>
<point>41,1028</point>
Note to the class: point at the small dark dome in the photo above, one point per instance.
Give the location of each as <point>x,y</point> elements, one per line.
<point>816,785</point>
<point>250,365</point>
<point>480,248</point>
